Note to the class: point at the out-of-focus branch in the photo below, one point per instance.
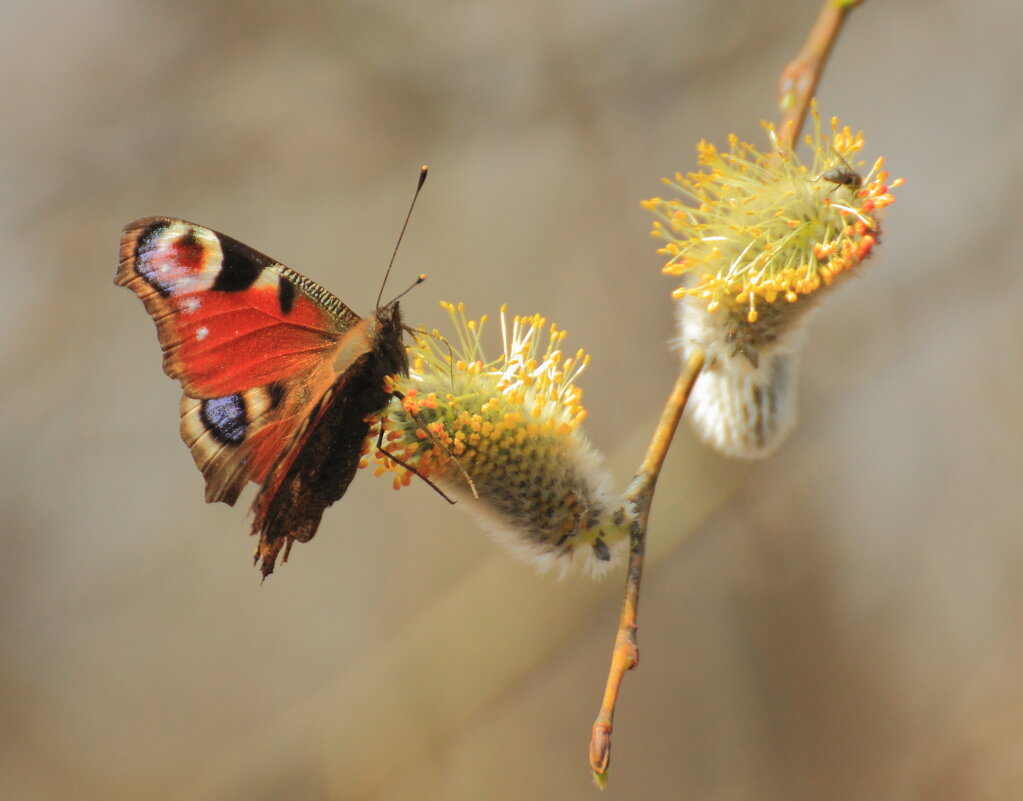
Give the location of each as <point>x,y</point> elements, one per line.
<point>798,82</point>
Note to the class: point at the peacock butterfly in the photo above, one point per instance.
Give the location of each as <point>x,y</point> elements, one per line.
<point>279,376</point>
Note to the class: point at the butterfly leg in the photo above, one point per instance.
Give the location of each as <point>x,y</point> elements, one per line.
<point>407,466</point>
<point>439,444</point>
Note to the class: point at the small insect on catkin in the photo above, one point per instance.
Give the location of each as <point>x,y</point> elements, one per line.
<point>512,427</point>
<point>755,238</point>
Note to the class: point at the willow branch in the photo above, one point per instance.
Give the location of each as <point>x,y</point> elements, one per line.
<point>798,82</point>
<point>625,655</point>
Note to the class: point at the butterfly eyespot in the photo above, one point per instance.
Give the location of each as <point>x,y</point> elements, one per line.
<point>201,333</point>
<point>225,418</point>
<point>167,254</point>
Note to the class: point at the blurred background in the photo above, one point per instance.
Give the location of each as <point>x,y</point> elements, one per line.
<point>842,621</point>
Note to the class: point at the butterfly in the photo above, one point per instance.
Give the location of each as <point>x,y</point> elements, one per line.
<point>279,376</point>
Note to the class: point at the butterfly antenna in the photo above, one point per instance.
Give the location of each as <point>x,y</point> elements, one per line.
<point>422,179</point>
<point>417,282</point>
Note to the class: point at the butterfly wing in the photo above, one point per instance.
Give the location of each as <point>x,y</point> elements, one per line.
<point>317,469</point>
<point>252,343</point>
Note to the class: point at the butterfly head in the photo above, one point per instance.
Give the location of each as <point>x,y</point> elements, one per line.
<point>387,338</point>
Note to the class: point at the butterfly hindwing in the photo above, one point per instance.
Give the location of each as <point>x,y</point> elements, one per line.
<point>237,438</point>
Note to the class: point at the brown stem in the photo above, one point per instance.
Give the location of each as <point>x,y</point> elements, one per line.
<point>798,82</point>
<point>626,650</point>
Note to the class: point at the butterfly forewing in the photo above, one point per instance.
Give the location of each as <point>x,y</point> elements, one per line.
<point>228,317</point>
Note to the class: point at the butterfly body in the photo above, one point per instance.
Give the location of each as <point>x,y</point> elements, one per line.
<point>278,374</point>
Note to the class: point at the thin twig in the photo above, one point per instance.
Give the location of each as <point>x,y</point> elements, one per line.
<point>626,651</point>
<point>798,82</point>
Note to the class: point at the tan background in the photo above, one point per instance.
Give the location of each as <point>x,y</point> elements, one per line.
<point>847,622</point>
